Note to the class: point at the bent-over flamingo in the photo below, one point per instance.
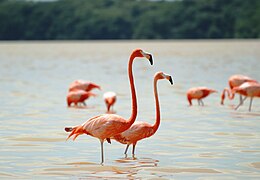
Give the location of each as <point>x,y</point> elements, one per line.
<point>140,130</point>
<point>83,85</point>
<point>199,93</point>
<point>78,96</point>
<point>110,99</point>
<point>108,125</point>
<point>247,89</point>
<point>235,81</point>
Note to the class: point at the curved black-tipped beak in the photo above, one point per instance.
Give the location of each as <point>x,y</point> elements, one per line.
<point>171,80</point>
<point>150,59</point>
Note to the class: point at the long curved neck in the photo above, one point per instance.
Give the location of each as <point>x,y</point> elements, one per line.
<point>229,93</point>
<point>157,107</point>
<point>131,120</point>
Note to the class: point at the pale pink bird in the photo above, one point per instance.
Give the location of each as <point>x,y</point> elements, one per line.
<point>83,85</point>
<point>78,96</point>
<point>140,130</point>
<point>199,93</point>
<point>110,99</point>
<point>247,89</point>
<point>106,126</point>
<point>235,81</point>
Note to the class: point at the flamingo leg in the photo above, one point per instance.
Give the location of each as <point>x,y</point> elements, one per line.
<point>84,103</point>
<point>241,99</point>
<point>202,102</point>
<point>198,102</point>
<point>133,151</point>
<point>102,153</point>
<point>251,100</point>
<point>240,103</point>
<point>127,146</point>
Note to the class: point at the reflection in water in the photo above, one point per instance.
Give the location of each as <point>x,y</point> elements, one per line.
<point>138,162</point>
<point>210,142</point>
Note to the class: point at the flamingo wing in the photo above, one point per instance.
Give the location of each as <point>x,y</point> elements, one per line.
<point>136,132</point>
<point>105,126</point>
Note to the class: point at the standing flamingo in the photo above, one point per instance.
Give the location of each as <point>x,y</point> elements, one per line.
<point>140,130</point>
<point>247,89</point>
<point>78,96</point>
<point>235,81</point>
<point>199,93</point>
<point>110,99</point>
<point>106,126</point>
<point>83,85</point>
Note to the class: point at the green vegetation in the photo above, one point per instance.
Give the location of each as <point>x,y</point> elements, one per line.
<point>129,19</point>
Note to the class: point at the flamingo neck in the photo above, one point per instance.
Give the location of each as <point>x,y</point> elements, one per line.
<point>157,107</point>
<point>131,120</point>
<point>230,94</point>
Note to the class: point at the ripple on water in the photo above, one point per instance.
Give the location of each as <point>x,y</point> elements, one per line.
<point>255,165</point>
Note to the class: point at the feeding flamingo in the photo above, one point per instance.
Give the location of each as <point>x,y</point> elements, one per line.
<point>78,96</point>
<point>235,81</point>
<point>140,130</point>
<point>83,85</point>
<point>106,126</point>
<point>199,93</point>
<point>110,99</point>
<point>247,89</point>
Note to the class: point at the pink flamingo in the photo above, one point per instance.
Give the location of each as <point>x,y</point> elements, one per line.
<point>199,93</point>
<point>247,89</point>
<point>110,99</point>
<point>235,81</point>
<point>83,85</point>
<point>78,96</point>
<point>140,130</point>
<point>106,126</point>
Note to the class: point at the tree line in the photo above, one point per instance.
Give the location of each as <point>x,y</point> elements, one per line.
<point>129,19</point>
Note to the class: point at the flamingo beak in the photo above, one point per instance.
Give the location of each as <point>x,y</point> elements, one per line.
<point>171,81</point>
<point>150,58</point>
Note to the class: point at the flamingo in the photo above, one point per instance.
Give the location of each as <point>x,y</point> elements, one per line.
<point>140,130</point>
<point>235,81</point>
<point>110,99</point>
<point>106,126</point>
<point>247,89</point>
<point>199,93</point>
<point>83,85</point>
<point>78,96</point>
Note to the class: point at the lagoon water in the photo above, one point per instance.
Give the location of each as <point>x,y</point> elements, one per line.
<point>210,142</point>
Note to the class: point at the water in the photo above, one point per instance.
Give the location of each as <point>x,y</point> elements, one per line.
<point>209,142</point>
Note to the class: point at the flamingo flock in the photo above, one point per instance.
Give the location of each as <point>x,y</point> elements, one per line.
<point>109,126</point>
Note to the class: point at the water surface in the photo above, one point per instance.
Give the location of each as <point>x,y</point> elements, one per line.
<point>209,142</point>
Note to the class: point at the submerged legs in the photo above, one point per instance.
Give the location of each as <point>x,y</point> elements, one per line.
<point>102,153</point>
<point>251,100</point>
<point>240,103</point>
<point>126,150</point>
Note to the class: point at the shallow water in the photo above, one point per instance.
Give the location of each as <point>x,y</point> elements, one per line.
<point>209,142</point>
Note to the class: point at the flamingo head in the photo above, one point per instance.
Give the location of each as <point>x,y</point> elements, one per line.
<point>141,53</point>
<point>212,91</point>
<point>161,75</point>
<point>93,85</point>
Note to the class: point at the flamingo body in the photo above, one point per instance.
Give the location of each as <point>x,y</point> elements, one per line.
<point>78,96</point>
<point>83,85</point>
<point>235,81</point>
<point>198,93</point>
<point>247,89</point>
<point>108,125</point>
<point>110,99</point>
<point>140,130</point>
